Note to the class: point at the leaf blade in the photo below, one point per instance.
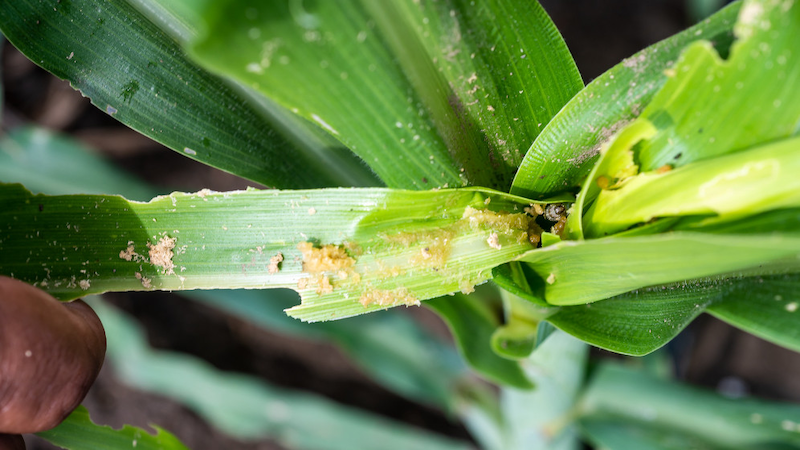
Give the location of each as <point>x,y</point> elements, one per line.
<point>472,324</point>
<point>504,79</point>
<point>145,81</point>
<point>407,246</point>
<point>574,136</point>
<point>329,66</point>
<point>585,271</point>
<point>78,431</point>
<point>640,322</point>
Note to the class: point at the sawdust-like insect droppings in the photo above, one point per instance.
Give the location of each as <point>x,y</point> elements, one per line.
<point>129,254</point>
<point>518,226</point>
<point>494,241</point>
<point>534,210</point>
<point>388,297</point>
<point>274,263</point>
<point>161,254</point>
<point>551,278</point>
<point>312,211</point>
<point>146,282</point>
<point>84,284</point>
<point>328,258</point>
<point>325,286</point>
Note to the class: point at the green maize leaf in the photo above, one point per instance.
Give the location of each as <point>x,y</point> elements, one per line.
<point>139,75</point>
<point>180,20</point>
<point>738,185</point>
<point>586,271</point>
<point>518,337</point>
<point>472,323</point>
<point>784,221</point>
<point>639,322</point>
<point>616,161</point>
<point>564,153</point>
<point>497,71</point>
<point>690,127</point>
<point>50,163</point>
<point>247,407</point>
<point>414,71</point>
<point>541,418</point>
<point>78,432</point>
<point>764,306</point>
<point>328,63</point>
<point>668,410</point>
<point>519,279</point>
<point>710,107</point>
<point>483,427</point>
<point>390,347</point>
<point>347,251</point>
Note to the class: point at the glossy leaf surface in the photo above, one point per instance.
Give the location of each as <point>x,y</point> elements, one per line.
<point>347,251</point>
<point>136,73</point>
<point>414,71</point>
<point>390,347</point>
<point>506,67</point>
<point>564,153</point>
<point>578,272</point>
<point>642,321</point>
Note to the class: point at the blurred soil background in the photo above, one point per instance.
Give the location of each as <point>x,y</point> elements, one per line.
<point>599,33</point>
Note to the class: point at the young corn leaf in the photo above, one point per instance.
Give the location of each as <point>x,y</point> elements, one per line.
<point>619,395</point>
<point>389,347</point>
<point>576,272</point>
<point>623,435</point>
<point>565,152</point>
<point>245,406</point>
<point>472,323</point>
<point>519,335</point>
<point>711,107</point>
<point>639,322</point>
<point>764,306</point>
<point>757,88</point>
<point>506,77</point>
<point>737,185</point>
<point>78,432</point>
<point>414,68</point>
<point>329,64</point>
<point>347,251</point>
<point>140,76</point>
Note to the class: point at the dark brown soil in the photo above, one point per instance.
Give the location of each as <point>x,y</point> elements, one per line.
<point>600,34</point>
